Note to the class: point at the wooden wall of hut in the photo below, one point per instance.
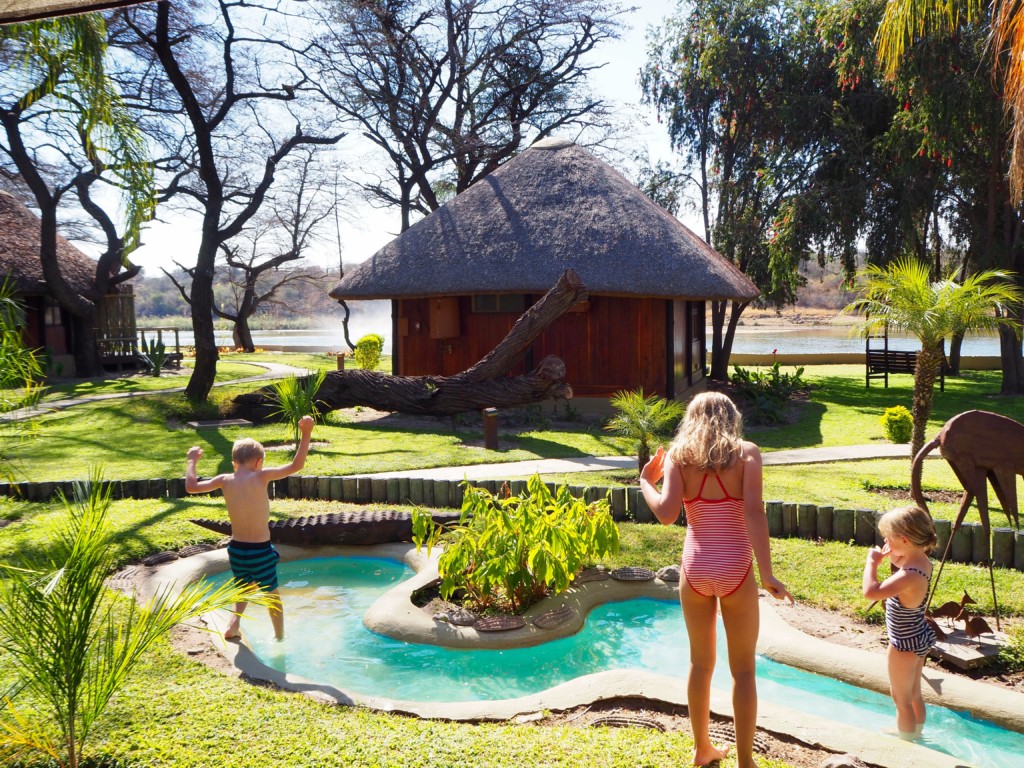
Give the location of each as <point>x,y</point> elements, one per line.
<point>610,343</point>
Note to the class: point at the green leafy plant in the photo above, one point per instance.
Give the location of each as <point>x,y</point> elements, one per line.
<point>767,392</point>
<point>898,424</point>
<point>368,351</point>
<point>72,643</point>
<point>1012,653</point>
<point>154,355</point>
<point>296,398</point>
<point>643,420</point>
<point>511,551</point>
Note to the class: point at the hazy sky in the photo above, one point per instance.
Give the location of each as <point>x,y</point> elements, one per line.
<point>367,229</point>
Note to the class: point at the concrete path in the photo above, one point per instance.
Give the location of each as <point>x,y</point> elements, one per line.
<point>509,469</point>
<point>274,371</point>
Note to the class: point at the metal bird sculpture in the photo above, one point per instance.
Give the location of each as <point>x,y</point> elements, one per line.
<point>951,610</point>
<point>975,626</point>
<point>982,448</point>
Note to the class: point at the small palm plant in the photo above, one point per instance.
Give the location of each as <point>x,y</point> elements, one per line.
<point>154,355</point>
<point>72,643</point>
<point>643,419</point>
<point>296,398</point>
<point>903,297</point>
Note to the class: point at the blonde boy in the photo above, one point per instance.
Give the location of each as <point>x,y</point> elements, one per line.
<point>253,558</point>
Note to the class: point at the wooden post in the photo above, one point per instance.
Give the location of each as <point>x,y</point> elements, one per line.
<point>789,519</point>
<point>963,544</point>
<point>323,488</point>
<point>337,492</point>
<point>807,521</point>
<point>1002,547</point>
<point>416,491</point>
<point>309,486</point>
<point>823,523</point>
<point>943,530</point>
<point>843,525</point>
<point>490,417</point>
<point>294,487</point>
<point>348,489</point>
<point>379,490</point>
<point>403,490</point>
<point>773,510</point>
<point>457,494</point>
<point>364,490</point>
<point>864,527</point>
<point>879,536</point>
<point>442,493</point>
<point>618,504</point>
<point>980,546</point>
<point>1018,550</point>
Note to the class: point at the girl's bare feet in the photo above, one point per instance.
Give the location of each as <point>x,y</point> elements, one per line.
<point>710,754</point>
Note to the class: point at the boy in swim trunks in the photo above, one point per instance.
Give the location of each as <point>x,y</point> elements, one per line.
<point>253,558</point>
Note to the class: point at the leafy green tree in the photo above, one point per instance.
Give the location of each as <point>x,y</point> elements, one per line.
<point>643,420</point>
<point>64,127</point>
<point>70,642</point>
<point>745,91</point>
<point>903,297</point>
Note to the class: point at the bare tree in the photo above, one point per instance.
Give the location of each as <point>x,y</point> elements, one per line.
<point>228,95</point>
<point>450,90</point>
<point>267,254</point>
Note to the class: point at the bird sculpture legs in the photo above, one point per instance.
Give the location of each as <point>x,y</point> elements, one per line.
<point>979,483</point>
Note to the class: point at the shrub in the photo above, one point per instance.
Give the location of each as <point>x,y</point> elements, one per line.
<point>643,419</point>
<point>297,398</point>
<point>368,350</point>
<point>511,551</point>
<point>1012,653</point>
<point>154,355</point>
<point>898,423</point>
<point>767,392</point>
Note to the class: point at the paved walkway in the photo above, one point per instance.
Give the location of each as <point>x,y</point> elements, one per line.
<point>274,371</point>
<point>596,463</point>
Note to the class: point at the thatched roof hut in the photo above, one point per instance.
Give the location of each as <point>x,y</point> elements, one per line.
<point>459,278</point>
<point>553,207</point>
<point>19,252</point>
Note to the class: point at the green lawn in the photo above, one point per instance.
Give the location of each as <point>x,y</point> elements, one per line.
<point>177,712</point>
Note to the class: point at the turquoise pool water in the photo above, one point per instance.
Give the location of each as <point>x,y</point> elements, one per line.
<point>326,598</point>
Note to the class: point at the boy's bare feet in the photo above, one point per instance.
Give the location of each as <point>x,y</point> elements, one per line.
<point>710,755</point>
<point>232,632</point>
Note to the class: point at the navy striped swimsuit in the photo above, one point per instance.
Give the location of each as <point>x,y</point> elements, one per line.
<point>906,627</point>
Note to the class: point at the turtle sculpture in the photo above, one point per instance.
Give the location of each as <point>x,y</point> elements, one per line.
<point>982,448</point>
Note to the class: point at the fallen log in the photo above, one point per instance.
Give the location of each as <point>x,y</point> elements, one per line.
<point>484,385</point>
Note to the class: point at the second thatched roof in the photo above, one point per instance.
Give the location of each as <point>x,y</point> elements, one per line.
<point>19,253</point>
<point>555,206</point>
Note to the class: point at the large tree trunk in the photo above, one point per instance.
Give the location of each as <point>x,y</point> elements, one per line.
<point>722,335</point>
<point>242,336</point>
<point>484,385</point>
<point>1012,362</point>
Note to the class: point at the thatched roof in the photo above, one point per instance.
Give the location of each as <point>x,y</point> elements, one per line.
<point>553,207</point>
<point>27,10</point>
<point>19,252</point>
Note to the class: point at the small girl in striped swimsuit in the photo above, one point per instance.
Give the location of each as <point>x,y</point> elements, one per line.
<point>909,538</point>
<point>718,476</point>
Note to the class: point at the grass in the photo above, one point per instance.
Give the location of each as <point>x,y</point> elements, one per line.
<point>200,717</point>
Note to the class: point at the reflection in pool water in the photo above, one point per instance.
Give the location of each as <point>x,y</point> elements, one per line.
<point>325,599</point>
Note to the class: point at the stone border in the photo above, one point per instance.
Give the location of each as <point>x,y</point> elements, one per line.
<point>777,639</point>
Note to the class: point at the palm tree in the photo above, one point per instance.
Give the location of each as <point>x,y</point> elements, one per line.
<point>902,297</point>
<point>643,419</point>
<point>906,21</point>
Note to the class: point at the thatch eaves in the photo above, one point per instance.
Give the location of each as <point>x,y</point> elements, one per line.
<point>28,10</point>
<point>555,206</point>
<point>19,253</point>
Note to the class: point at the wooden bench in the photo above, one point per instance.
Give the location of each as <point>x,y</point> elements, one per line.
<point>881,362</point>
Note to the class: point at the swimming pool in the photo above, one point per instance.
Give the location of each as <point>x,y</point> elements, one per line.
<point>325,599</point>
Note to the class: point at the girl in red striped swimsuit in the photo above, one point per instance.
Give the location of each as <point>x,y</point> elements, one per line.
<point>727,531</point>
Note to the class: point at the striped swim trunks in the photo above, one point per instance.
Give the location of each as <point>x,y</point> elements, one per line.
<point>254,562</point>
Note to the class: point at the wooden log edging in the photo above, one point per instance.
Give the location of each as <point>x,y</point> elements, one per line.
<point>785,519</point>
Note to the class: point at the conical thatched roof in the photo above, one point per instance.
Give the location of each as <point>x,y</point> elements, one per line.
<point>26,10</point>
<point>553,207</point>
<point>19,252</point>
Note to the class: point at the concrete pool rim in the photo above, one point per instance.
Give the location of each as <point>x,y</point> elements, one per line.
<point>777,640</point>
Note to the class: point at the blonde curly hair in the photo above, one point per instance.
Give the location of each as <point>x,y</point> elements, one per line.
<point>709,435</point>
<point>246,450</point>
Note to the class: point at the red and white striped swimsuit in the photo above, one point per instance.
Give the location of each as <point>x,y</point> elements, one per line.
<point>717,554</point>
